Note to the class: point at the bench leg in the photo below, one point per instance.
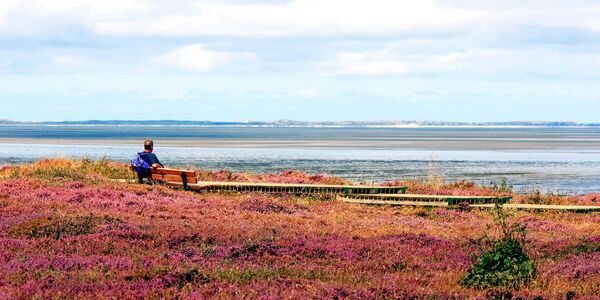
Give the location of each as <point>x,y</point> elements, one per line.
<point>184,181</point>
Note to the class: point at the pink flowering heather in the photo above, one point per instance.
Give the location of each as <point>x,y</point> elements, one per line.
<point>69,236</point>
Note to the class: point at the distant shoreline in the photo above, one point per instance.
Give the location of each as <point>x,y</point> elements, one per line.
<point>302,124</point>
<point>317,126</point>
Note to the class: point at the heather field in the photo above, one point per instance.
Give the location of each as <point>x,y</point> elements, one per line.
<point>66,231</point>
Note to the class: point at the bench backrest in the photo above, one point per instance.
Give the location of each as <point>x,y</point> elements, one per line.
<point>173,175</point>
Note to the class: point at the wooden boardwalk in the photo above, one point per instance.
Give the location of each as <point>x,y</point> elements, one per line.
<point>211,186</point>
<point>357,192</point>
<point>431,199</point>
<point>216,186</point>
<point>544,207</point>
<point>374,195</point>
<point>393,203</point>
<point>523,206</point>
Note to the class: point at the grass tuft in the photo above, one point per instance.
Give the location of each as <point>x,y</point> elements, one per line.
<point>58,227</point>
<point>67,169</point>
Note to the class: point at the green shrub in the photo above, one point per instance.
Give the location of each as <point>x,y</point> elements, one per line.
<point>504,265</point>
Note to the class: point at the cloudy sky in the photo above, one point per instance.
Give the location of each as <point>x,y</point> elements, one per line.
<point>316,60</point>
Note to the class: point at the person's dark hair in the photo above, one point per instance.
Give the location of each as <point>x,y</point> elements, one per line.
<point>148,145</point>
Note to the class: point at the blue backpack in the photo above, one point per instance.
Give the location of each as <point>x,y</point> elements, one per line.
<point>140,166</point>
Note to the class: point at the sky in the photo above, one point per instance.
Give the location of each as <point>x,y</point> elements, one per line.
<point>313,60</point>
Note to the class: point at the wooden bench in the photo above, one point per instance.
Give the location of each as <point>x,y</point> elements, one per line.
<point>184,177</point>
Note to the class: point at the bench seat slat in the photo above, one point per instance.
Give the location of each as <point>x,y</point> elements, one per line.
<point>172,175</point>
<point>177,172</point>
<point>172,178</point>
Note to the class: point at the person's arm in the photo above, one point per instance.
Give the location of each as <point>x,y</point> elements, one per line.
<point>157,161</point>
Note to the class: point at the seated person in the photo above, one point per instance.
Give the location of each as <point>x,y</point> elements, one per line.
<point>149,158</point>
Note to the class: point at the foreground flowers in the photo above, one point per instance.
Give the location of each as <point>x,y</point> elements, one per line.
<point>92,238</point>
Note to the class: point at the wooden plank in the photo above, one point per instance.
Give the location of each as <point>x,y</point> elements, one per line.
<point>542,206</point>
<point>437,196</point>
<point>225,183</point>
<point>266,184</point>
<point>422,196</point>
<point>294,189</point>
<point>166,171</point>
<point>445,204</point>
<point>449,199</point>
<point>393,203</point>
<point>173,178</point>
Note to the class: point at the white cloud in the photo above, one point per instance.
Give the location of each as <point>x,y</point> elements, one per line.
<point>366,64</point>
<point>75,62</point>
<point>6,7</point>
<point>43,16</point>
<point>471,62</point>
<point>433,37</point>
<point>195,58</point>
<point>218,18</point>
<point>4,64</point>
<point>306,93</point>
<point>512,63</point>
<point>343,17</point>
<point>293,18</point>
<point>298,18</point>
<point>104,6</point>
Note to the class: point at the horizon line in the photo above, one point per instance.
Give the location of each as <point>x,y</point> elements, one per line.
<point>302,122</point>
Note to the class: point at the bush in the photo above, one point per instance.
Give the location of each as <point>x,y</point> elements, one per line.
<point>506,264</point>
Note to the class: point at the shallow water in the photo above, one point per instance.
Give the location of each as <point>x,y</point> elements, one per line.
<point>561,160</point>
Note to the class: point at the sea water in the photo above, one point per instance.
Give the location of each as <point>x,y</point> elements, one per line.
<point>562,160</point>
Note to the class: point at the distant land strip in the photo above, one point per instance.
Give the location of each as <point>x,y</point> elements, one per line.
<point>294,123</point>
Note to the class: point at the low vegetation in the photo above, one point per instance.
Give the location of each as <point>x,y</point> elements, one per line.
<point>65,169</point>
<point>505,264</point>
<point>68,232</point>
